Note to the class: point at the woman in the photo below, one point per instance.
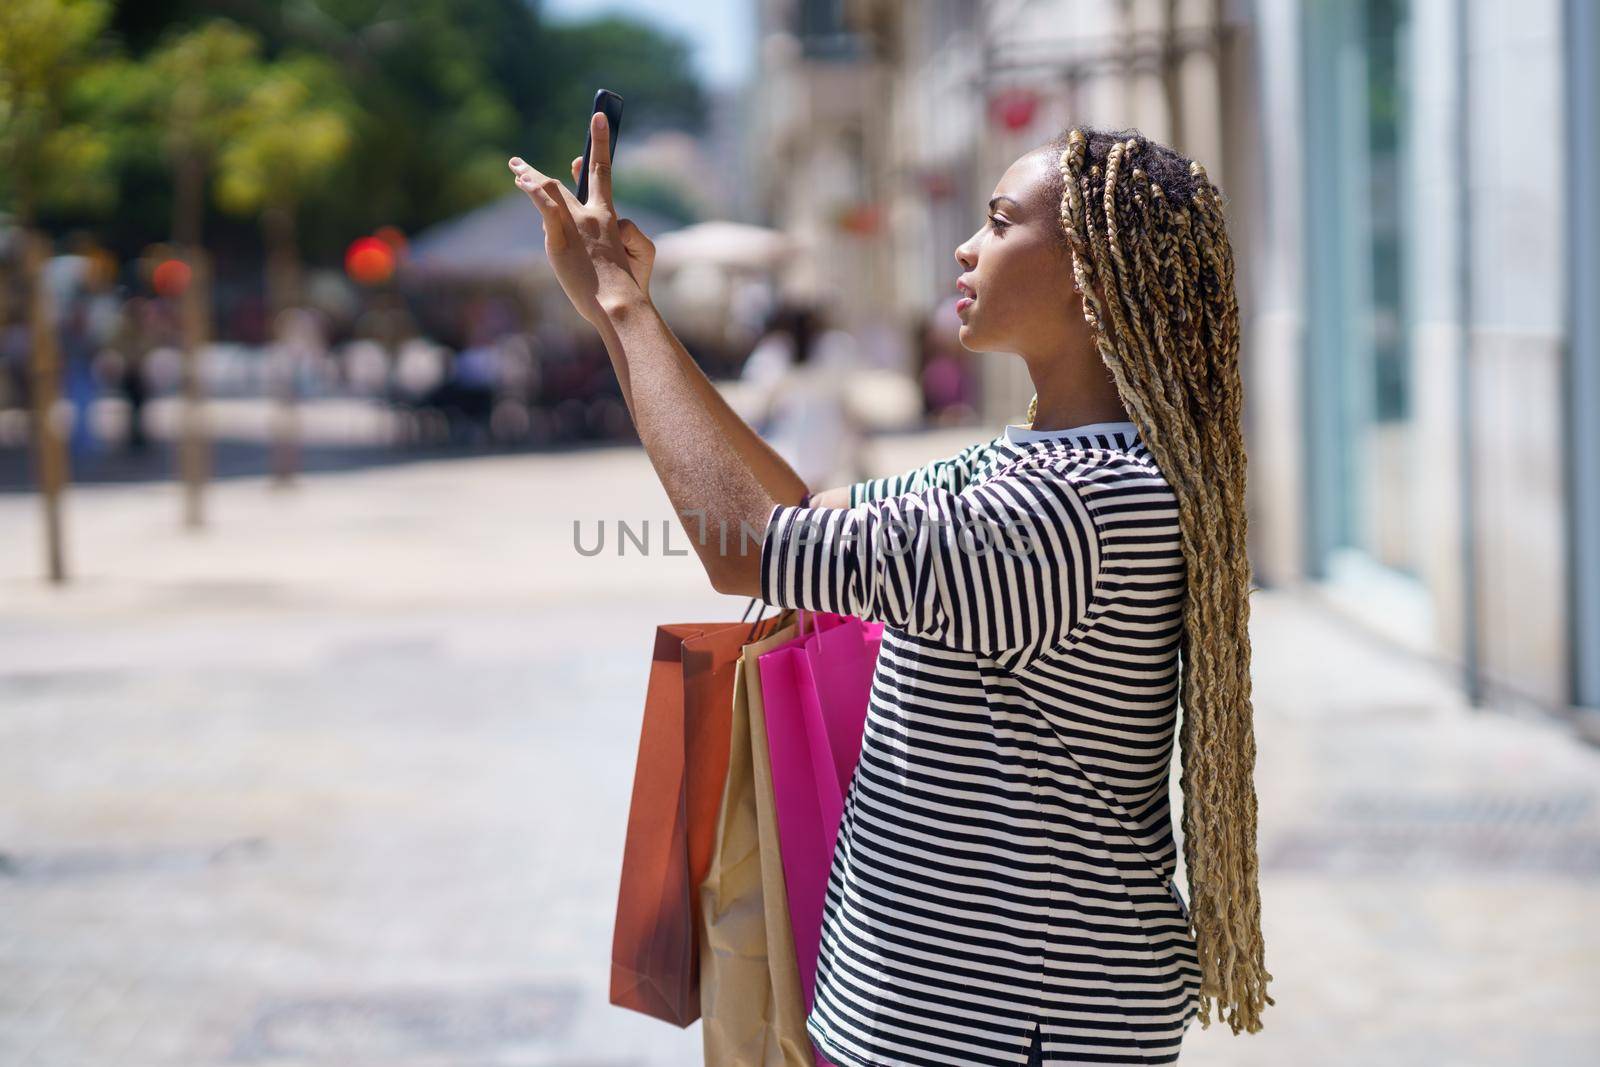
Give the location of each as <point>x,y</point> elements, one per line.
<point>1003,887</point>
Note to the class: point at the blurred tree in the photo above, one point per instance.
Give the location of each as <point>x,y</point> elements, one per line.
<point>294,131</point>
<point>197,86</point>
<point>651,70</point>
<point>444,91</point>
<point>48,152</point>
<point>433,116</point>
<point>52,150</point>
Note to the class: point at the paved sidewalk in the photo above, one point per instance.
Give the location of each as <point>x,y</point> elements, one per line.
<point>342,780</point>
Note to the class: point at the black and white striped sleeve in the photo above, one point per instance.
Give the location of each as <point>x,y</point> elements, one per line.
<point>952,472</point>
<point>1005,569</point>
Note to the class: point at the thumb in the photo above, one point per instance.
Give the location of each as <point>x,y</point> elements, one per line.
<point>634,240</point>
<point>641,252</point>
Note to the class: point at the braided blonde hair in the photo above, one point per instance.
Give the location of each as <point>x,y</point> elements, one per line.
<point>1150,253</point>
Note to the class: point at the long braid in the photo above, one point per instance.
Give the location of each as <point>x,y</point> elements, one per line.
<point>1150,253</point>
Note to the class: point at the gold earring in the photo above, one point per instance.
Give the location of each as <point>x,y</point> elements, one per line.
<point>1033,410</point>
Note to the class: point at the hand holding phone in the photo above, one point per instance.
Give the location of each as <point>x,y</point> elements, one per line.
<point>609,102</point>
<point>584,257</point>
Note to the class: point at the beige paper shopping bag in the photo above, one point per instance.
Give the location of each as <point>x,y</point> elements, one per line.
<point>752,1007</point>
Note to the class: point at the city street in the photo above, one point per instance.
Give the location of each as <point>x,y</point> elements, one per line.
<point>342,780</point>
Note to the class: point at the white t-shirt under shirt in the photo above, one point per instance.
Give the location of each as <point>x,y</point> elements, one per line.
<point>1022,434</point>
<point>1006,856</point>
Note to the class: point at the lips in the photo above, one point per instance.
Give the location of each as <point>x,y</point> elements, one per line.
<point>968,295</point>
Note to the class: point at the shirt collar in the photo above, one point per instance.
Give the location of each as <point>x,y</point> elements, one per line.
<point>1089,434</point>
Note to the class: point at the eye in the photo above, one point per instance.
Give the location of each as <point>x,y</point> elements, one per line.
<point>998,223</point>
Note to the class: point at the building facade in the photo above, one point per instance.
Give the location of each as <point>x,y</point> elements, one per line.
<point>1410,199</point>
<point>1419,283</point>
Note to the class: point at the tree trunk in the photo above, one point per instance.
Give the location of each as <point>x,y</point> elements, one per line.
<point>283,257</point>
<point>194,458</point>
<point>283,297</point>
<point>188,209</point>
<point>49,450</point>
<point>188,200</point>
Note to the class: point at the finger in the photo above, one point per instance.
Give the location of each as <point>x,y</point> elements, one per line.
<point>577,168</point>
<point>521,167</point>
<point>600,157</point>
<point>546,196</point>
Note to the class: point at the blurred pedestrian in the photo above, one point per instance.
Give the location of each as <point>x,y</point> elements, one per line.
<point>132,342</point>
<point>78,351</point>
<point>802,369</point>
<point>16,349</point>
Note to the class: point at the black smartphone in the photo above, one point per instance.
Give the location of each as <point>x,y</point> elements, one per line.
<point>609,102</point>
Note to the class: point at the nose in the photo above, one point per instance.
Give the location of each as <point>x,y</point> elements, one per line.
<point>964,255</point>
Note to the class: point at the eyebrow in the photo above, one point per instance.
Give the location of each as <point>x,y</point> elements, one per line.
<point>997,199</point>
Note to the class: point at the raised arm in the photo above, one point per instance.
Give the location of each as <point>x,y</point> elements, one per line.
<point>722,478</point>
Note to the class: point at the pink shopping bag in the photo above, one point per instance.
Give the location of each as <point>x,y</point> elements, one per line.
<point>815,689</point>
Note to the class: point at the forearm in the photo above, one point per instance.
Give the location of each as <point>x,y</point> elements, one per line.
<point>722,479</point>
<point>769,468</point>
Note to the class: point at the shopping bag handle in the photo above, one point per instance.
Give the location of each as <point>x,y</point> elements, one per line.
<point>780,619</point>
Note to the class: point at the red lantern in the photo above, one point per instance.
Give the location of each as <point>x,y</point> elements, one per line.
<point>369,260</point>
<point>170,277</point>
<point>1014,108</point>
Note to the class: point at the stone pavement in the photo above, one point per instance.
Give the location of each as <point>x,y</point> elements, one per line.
<point>342,780</point>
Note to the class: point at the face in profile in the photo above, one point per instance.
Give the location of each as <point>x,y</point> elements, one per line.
<point>1017,271</point>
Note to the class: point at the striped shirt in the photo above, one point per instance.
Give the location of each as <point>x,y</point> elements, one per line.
<point>1004,872</point>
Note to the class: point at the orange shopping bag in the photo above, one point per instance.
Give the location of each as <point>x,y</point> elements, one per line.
<point>672,817</point>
